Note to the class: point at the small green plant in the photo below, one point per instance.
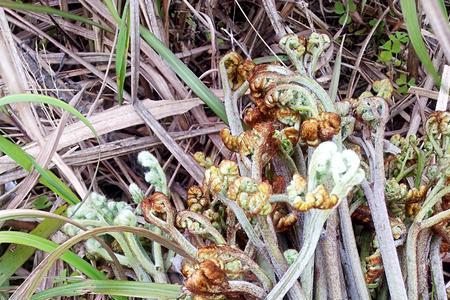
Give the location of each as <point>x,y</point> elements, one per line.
<point>341,10</point>
<point>392,48</point>
<point>404,84</point>
<point>42,202</point>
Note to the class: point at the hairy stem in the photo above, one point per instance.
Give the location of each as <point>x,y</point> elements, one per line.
<point>349,243</point>
<point>436,270</point>
<point>377,204</point>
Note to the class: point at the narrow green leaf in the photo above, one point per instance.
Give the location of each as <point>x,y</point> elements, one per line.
<point>409,11</point>
<point>197,86</point>
<point>13,260</point>
<point>113,287</point>
<point>334,85</point>
<point>27,239</point>
<point>47,178</point>
<point>49,10</point>
<point>112,9</point>
<point>42,202</point>
<point>270,59</point>
<point>26,161</point>
<point>27,98</point>
<point>443,8</point>
<point>123,43</point>
<point>31,240</point>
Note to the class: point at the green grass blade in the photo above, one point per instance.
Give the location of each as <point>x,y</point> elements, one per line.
<point>197,86</point>
<point>13,260</point>
<point>27,239</point>
<point>112,9</point>
<point>409,11</point>
<point>50,10</point>
<point>113,287</point>
<point>270,59</point>
<point>47,178</point>
<point>26,161</point>
<point>443,8</point>
<point>27,98</point>
<point>31,240</point>
<point>334,85</point>
<point>123,43</point>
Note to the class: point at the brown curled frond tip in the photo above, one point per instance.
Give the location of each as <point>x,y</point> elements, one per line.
<point>374,268</point>
<point>197,200</point>
<point>157,205</point>
<point>230,141</point>
<point>206,278</point>
<point>282,221</point>
<point>316,130</point>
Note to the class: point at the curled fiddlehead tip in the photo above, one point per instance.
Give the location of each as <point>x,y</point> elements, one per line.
<point>251,196</point>
<point>253,116</point>
<point>125,217</point>
<point>282,220</point>
<point>288,137</point>
<point>136,193</point>
<point>287,116</point>
<point>225,256</point>
<point>257,140</point>
<point>101,210</point>
<point>293,44</point>
<point>264,77</point>
<point>243,71</point>
<point>316,130</point>
<point>157,210</point>
<point>398,228</point>
<point>146,159</point>
<point>297,186</point>
<point>374,269</point>
<point>374,264</point>
<point>438,127</point>
<point>203,160</point>
<point>443,120</point>
<point>416,195</point>
<point>218,178</point>
<point>206,278</point>
<point>290,255</point>
<point>215,266</point>
<point>155,175</point>
<point>317,43</point>
<point>229,140</point>
<point>216,217</point>
<point>237,69</point>
<point>197,200</point>
<point>395,191</point>
<point>322,198</point>
<point>319,198</point>
<point>343,167</point>
<point>309,132</point>
<point>370,110</point>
